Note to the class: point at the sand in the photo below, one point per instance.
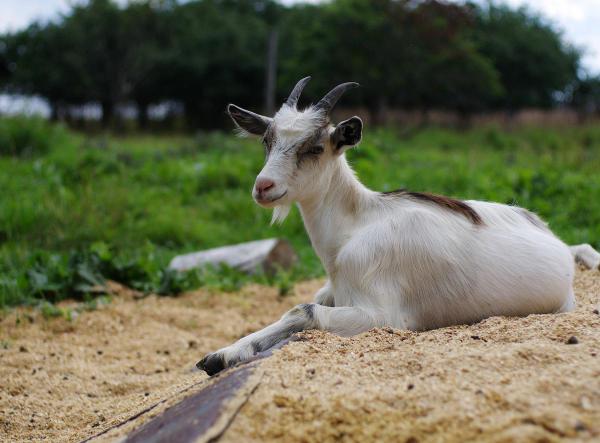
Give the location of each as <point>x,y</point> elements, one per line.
<point>67,380</point>
<point>501,380</point>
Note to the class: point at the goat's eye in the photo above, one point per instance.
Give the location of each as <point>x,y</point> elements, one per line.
<point>316,150</point>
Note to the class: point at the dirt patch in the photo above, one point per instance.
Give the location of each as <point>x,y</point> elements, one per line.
<point>504,379</point>
<point>67,380</point>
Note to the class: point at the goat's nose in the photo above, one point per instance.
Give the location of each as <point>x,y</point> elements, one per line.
<point>263,185</point>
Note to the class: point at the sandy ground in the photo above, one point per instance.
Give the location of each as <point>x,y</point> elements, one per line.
<point>67,380</point>
<point>501,380</point>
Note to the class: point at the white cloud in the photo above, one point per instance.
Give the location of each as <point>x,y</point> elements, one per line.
<point>565,10</point>
<point>578,19</point>
<point>15,14</point>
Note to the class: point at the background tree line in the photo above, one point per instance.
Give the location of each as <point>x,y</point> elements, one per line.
<point>415,55</point>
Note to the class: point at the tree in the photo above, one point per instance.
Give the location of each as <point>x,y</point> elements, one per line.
<point>405,54</point>
<point>448,71</point>
<point>149,39</point>
<point>454,75</point>
<point>370,42</point>
<point>585,97</point>
<point>218,56</point>
<point>43,63</point>
<point>99,31</point>
<point>5,71</point>
<point>410,54</point>
<point>530,56</point>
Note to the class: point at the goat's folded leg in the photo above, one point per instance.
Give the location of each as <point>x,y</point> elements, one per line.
<point>344,321</point>
<point>324,296</point>
<point>586,255</point>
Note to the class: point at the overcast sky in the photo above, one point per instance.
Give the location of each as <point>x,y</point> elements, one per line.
<point>579,19</point>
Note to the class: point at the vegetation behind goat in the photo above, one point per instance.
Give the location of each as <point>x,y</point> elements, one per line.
<point>120,208</point>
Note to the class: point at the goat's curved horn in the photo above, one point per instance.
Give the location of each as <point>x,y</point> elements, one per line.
<point>292,100</point>
<point>331,98</point>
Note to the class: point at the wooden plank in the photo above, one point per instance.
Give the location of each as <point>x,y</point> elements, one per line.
<point>205,415</point>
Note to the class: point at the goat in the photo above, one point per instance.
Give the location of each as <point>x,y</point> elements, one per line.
<point>403,259</point>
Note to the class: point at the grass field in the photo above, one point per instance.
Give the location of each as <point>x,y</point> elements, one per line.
<point>76,209</point>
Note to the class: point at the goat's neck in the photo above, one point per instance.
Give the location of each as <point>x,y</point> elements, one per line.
<point>330,214</point>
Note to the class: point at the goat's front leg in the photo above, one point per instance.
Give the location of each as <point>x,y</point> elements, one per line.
<point>344,321</point>
<point>324,296</point>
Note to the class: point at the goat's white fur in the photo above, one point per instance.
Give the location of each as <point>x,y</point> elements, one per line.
<point>292,122</point>
<point>395,261</point>
<point>586,255</point>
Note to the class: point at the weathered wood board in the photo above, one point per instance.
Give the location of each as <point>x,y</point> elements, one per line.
<point>203,416</point>
<point>200,417</point>
<point>266,255</point>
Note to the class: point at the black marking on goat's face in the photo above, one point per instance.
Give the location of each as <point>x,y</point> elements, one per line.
<point>307,149</point>
<point>310,149</point>
<point>268,140</point>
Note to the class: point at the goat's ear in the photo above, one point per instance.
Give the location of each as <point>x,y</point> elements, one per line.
<point>347,134</point>
<point>248,121</point>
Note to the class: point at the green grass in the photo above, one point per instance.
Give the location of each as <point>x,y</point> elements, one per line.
<point>26,138</point>
<point>87,208</point>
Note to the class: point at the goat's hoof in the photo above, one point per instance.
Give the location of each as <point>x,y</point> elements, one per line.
<point>212,363</point>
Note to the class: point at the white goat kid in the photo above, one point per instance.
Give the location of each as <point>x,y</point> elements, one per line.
<point>403,259</point>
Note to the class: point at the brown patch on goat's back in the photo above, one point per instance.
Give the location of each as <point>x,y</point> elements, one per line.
<point>449,203</point>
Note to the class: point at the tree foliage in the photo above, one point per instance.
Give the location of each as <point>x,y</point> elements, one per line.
<point>530,56</point>
<point>586,96</point>
<point>408,54</point>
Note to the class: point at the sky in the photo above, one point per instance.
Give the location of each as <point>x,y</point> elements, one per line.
<point>578,19</point>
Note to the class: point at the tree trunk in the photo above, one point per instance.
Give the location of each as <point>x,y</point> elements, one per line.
<point>271,72</point>
<point>108,111</point>
<point>465,119</point>
<point>380,114</point>
<point>142,115</point>
<point>425,118</point>
<point>54,112</point>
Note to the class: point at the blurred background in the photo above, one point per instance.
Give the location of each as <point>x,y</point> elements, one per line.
<point>116,153</point>
<point>173,65</point>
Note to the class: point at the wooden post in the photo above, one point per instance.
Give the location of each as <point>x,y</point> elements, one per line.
<point>271,72</point>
